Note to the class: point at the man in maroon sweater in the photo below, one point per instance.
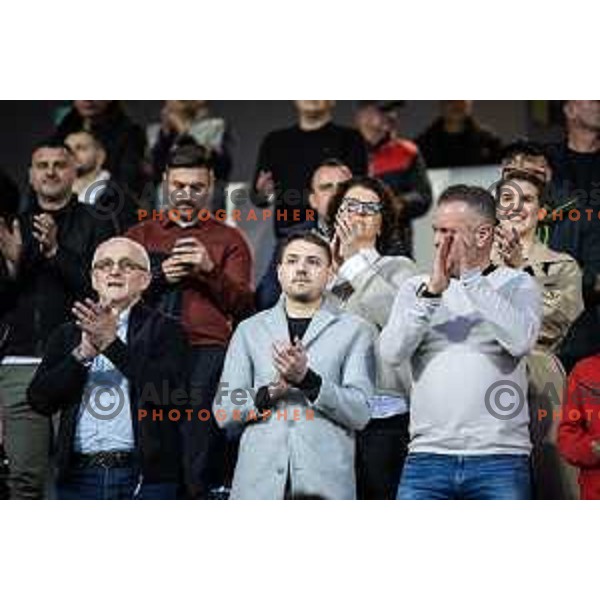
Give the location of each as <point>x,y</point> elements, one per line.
<point>202,274</point>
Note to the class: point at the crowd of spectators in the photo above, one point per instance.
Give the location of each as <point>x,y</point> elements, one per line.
<point>140,361</point>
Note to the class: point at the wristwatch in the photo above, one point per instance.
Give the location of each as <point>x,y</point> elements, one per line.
<point>423,292</point>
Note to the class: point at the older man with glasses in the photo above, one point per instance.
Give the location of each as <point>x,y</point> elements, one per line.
<point>114,375</point>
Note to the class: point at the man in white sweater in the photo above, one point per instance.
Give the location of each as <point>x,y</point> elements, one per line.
<point>466,329</point>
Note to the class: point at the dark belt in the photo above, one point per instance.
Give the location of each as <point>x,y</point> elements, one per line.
<point>108,460</point>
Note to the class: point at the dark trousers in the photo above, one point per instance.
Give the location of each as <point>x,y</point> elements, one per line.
<point>381,449</point>
<point>206,446</point>
<point>111,483</point>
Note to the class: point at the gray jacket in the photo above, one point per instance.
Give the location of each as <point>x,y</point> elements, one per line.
<point>375,281</point>
<point>315,443</point>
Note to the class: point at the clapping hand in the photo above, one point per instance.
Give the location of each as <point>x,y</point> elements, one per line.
<point>291,361</point>
<point>45,232</point>
<point>98,322</point>
<point>508,244</point>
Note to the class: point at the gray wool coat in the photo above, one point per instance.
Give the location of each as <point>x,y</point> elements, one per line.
<point>314,443</point>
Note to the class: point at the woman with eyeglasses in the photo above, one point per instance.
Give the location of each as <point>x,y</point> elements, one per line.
<point>360,217</point>
<point>559,277</point>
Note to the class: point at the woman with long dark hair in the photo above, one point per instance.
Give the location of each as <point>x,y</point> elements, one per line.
<point>360,217</point>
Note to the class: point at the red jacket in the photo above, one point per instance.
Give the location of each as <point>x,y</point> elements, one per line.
<point>580,425</point>
<point>212,302</point>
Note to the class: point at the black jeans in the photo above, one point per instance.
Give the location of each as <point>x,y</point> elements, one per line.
<point>381,449</point>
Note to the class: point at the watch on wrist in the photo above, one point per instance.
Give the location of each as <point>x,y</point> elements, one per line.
<point>80,358</point>
<point>423,292</point>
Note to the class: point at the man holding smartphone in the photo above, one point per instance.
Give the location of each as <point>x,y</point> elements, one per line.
<point>202,275</point>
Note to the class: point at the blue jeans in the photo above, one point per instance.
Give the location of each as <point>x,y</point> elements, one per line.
<point>101,483</point>
<point>451,477</point>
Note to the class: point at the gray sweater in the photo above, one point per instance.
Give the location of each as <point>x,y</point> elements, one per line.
<point>460,345</point>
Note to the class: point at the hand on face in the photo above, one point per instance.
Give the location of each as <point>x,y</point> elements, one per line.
<point>440,274</point>
<point>98,322</point>
<point>354,234</point>
<point>291,361</point>
<point>465,253</point>
<point>457,253</point>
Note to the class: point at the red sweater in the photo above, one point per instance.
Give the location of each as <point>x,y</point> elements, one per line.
<point>211,301</point>
<point>580,425</point>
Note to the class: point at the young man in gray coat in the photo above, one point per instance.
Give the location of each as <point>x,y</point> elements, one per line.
<point>297,379</point>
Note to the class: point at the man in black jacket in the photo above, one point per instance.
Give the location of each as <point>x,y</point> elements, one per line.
<point>457,139</point>
<point>45,254</point>
<point>287,159</point>
<point>575,164</point>
<point>117,375</point>
<point>125,145</point>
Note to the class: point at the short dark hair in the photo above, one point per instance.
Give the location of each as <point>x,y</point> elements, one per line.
<point>473,196</point>
<point>381,190</point>
<point>524,176</point>
<point>526,147</point>
<point>333,163</point>
<point>187,154</point>
<point>53,142</point>
<point>305,236</point>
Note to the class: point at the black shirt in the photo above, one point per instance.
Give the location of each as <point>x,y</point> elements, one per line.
<point>474,145</point>
<point>297,327</point>
<point>310,385</point>
<point>292,155</point>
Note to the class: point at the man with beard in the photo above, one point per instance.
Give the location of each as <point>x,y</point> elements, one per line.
<point>123,140</point>
<point>45,254</point>
<point>89,158</point>
<point>202,275</point>
<point>297,379</point>
<point>286,162</point>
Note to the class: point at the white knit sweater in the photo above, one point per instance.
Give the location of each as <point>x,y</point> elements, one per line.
<point>462,345</point>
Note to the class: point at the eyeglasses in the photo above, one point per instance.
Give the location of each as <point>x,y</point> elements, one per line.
<point>353,205</point>
<point>124,264</point>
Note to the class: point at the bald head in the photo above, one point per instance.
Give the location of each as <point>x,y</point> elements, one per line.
<point>120,271</point>
<point>135,250</point>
